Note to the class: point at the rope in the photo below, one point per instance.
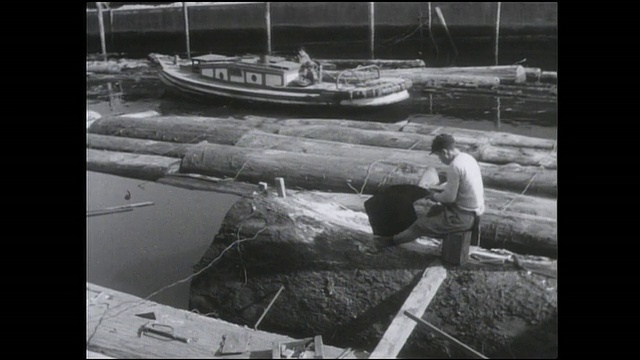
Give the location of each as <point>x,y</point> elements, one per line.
<point>522,193</point>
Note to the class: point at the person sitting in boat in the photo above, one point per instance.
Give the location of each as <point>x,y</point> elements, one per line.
<point>308,69</point>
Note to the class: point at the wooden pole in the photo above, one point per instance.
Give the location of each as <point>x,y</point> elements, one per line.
<point>185,10</point>
<point>497,112</point>
<point>420,27</point>
<point>268,307</point>
<point>118,208</point>
<point>111,33</point>
<point>267,18</point>
<point>372,28</point>
<point>472,352</point>
<point>446,30</point>
<point>497,30</point>
<point>101,24</point>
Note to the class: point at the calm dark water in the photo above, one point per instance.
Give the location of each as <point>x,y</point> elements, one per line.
<point>141,251</point>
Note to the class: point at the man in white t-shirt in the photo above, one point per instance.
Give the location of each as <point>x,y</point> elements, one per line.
<point>457,205</point>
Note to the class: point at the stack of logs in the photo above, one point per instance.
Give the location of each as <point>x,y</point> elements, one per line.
<point>340,156</point>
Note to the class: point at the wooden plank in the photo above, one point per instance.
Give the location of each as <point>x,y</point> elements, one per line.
<point>401,327</point>
<point>112,330</point>
<point>95,355</point>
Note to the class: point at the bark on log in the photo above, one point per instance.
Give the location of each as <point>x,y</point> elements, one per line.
<point>512,178</point>
<point>146,167</point>
<point>332,286</point>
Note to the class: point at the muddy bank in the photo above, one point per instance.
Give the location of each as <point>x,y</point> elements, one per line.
<point>335,288</point>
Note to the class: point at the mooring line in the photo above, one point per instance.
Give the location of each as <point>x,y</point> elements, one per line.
<point>522,193</point>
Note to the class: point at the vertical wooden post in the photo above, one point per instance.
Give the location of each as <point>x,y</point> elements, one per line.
<point>372,28</point>
<point>497,112</point>
<point>497,30</point>
<point>185,10</point>
<point>435,46</point>
<point>282,191</point>
<point>446,30</point>
<point>101,24</point>
<point>267,19</point>
<point>111,27</point>
<point>420,26</point>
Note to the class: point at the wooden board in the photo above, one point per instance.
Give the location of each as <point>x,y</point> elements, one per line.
<point>401,327</point>
<point>112,330</point>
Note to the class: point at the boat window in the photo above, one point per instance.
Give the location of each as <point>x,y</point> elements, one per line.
<point>235,72</point>
<point>221,75</point>
<point>254,78</point>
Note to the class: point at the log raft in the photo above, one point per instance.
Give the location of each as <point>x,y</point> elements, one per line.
<point>521,223</point>
<point>227,131</point>
<point>502,177</point>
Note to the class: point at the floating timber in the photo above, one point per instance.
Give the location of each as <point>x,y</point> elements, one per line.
<point>139,166</point>
<point>508,74</point>
<point>114,331</point>
<point>539,180</point>
<point>387,64</point>
<point>518,222</point>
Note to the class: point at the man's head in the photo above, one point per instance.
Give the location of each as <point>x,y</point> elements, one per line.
<point>444,145</point>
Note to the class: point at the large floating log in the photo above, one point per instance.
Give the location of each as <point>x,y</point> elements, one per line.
<point>420,79</point>
<point>146,167</point>
<point>305,170</point>
<point>409,141</point>
<point>333,287</point>
<point>496,200</point>
<point>162,127</point>
<point>512,178</point>
<point>490,137</point>
<point>137,146</point>
<point>549,76</point>
<point>174,129</point>
<point>525,228</point>
<point>352,63</point>
<point>508,74</point>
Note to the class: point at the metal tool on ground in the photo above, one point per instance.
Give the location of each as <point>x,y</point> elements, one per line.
<point>469,350</point>
<point>255,327</point>
<point>161,331</point>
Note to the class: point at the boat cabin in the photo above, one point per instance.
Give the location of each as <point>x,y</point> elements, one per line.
<point>255,70</point>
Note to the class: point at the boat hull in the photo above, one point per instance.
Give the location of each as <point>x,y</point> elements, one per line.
<point>190,84</point>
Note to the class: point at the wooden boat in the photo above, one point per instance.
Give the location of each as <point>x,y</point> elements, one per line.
<point>271,79</point>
